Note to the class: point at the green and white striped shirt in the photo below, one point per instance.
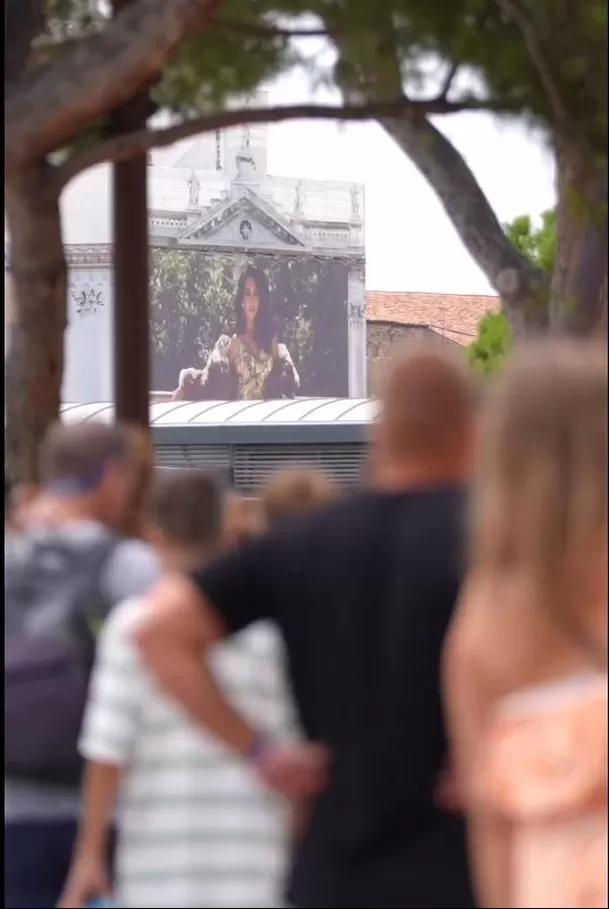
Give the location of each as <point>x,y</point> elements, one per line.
<point>196,828</point>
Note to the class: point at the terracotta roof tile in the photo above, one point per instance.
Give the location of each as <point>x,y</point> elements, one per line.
<point>454,315</point>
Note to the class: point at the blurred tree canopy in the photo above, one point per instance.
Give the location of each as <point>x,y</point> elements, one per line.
<point>487,353</point>
<point>538,242</point>
<point>193,303</point>
<point>70,66</point>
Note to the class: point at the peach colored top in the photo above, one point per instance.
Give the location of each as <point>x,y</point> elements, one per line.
<point>545,768</point>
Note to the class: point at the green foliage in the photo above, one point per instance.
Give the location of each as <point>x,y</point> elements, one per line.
<point>536,64</point>
<point>72,19</point>
<point>546,75</point>
<point>191,300</point>
<point>230,60</point>
<point>488,352</point>
<point>538,242</point>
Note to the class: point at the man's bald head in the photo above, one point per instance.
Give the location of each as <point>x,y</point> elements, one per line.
<point>428,407</point>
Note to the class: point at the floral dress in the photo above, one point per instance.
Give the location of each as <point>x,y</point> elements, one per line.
<point>251,370</point>
<point>544,767</point>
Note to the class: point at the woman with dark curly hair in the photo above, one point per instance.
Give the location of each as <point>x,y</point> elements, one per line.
<point>251,364</point>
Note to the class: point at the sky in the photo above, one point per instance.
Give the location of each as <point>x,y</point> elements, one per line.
<point>410,243</point>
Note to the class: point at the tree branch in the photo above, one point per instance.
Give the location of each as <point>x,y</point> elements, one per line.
<point>121,148</point>
<point>513,11</point>
<point>515,278</point>
<point>54,102</point>
<point>448,81</point>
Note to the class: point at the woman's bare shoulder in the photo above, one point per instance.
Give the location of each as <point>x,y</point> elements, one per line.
<point>470,624</point>
<point>483,632</point>
<point>501,633</point>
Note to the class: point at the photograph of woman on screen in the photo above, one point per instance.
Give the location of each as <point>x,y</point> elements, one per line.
<point>249,365</point>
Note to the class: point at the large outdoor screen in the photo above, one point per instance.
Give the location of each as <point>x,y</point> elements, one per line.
<point>238,327</point>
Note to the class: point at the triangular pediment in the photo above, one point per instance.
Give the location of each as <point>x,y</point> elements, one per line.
<point>245,220</point>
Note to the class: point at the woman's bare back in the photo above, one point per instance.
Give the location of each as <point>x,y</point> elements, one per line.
<point>502,650</point>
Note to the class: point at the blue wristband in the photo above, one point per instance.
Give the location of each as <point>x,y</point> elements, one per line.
<point>259,748</point>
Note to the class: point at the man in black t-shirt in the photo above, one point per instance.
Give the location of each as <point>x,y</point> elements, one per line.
<point>363,593</point>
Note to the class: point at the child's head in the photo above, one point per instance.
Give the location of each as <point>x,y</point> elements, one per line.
<point>187,516</point>
<point>296,491</point>
<point>242,520</point>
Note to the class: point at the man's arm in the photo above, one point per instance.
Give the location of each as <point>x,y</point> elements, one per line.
<point>280,709</point>
<point>184,618</point>
<point>178,627</point>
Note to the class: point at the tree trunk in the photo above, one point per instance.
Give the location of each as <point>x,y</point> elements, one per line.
<point>523,288</point>
<point>34,366</point>
<point>578,304</point>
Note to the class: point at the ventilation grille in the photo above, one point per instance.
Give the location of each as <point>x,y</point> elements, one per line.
<point>206,457</point>
<point>254,464</point>
<point>248,467</point>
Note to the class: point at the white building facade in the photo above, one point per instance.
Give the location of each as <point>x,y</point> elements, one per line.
<point>212,193</point>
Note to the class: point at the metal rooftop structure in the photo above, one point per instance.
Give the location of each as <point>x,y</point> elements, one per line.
<point>247,441</point>
<point>300,420</point>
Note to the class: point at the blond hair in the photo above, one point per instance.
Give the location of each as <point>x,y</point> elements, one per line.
<point>294,491</point>
<point>540,498</point>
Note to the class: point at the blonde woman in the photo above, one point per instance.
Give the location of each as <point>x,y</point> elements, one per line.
<point>526,659</point>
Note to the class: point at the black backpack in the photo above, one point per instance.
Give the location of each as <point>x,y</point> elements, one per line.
<point>53,607</point>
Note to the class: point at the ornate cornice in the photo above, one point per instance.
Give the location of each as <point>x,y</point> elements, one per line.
<point>90,255</point>
<point>100,256</point>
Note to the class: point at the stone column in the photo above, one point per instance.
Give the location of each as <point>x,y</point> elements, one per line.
<point>88,366</point>
<point>356,301</point>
